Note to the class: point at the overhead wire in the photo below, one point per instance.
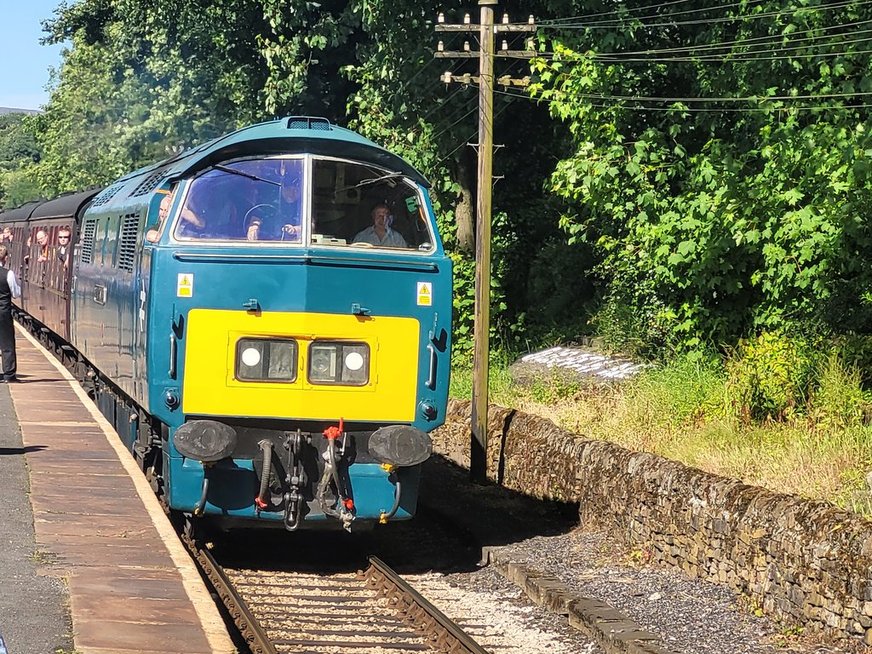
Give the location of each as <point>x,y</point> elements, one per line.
<point>738,57</point>
<point>619,99</point>
<point>715,19</point>
<point>751,42</point>
<point>440,105</point>
<point>421,69</point>
<point>616,21</point>
<point>750,98</point>
<point>445,129</point>
<point>613,12</point>
<point>466,140</point>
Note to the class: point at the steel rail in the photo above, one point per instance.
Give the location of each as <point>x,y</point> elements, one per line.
<point>445,633</point>
<point>440,631</point>
<point>254,635</point>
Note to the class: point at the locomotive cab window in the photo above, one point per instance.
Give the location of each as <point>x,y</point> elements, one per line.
<point>360,205</point>
<point>247,200</point>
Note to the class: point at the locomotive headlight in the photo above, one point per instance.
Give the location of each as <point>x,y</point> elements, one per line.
<point>339,363</point>
<point>322,363</point>
<point>251,356</point>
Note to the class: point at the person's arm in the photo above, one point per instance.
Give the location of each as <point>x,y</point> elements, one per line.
<point>189,215</point>
<point>253,230</point>
<point>13,284</point>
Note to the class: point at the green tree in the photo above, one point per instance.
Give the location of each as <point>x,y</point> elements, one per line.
<point>18,152</point>
<point>712,219</point>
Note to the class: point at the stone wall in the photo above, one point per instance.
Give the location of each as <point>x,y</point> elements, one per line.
<point>802,561</point>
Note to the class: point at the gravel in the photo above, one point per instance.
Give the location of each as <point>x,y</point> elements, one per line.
<point>498,615</point>
<point>691,616</point>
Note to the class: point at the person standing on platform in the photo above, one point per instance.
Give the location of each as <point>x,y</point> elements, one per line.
<point>8,289</point>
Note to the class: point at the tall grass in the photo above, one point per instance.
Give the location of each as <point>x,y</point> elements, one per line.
<point>689,410</point>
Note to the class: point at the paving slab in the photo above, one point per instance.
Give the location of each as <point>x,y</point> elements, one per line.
<point>118,578</point>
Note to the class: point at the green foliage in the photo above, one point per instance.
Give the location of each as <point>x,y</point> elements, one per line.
<point>557,386</point>
<point>838,399</point>
<point>663,230</point>
<point>685,389</point>
<point>17,144</point>
<point>500,384</point>
<point>18,187</point>
<point>771,375</point>
<point>719,219</point>
<point>18,154</point>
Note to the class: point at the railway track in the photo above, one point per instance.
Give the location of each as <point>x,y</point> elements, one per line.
<point>373,611</point>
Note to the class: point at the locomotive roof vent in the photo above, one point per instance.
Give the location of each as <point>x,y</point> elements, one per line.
<point>309,122</point>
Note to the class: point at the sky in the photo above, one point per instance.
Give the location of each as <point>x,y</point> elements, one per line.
<point>24,63</point>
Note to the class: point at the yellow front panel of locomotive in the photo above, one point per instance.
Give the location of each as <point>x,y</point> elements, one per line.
<point>210,386</point>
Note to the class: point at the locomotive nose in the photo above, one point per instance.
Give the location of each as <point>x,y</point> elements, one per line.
<point>400,445</point>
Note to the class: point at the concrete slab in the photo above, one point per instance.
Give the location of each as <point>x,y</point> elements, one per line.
<point>98,526</point>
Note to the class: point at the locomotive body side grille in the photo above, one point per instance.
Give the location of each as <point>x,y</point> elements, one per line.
<point>106,195</point>
<point>89,229</point>
<point>127,246</point>
<point>149,183</point>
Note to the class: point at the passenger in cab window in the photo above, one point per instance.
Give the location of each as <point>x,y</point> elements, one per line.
<point>6,236</point>
<point>163,211</point>
<point>380,233</point>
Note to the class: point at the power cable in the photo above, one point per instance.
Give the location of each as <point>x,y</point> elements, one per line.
<point>729,58</point>
<point>441,105</point>
<point>556,21</point>
<point>617,21</point>
<point>464,116</point>
<point>466,140</point>
<point>723,19</point>
<point>700,109</point>
<point>753,41</point>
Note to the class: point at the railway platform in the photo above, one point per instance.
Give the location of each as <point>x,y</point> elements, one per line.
<point>101,571</point>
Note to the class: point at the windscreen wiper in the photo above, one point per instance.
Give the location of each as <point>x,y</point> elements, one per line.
<point>233,171</point>
<point>371,180</point>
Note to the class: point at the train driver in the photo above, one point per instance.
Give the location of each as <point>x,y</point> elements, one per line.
<point>380,233</point>
<point>279,220</point>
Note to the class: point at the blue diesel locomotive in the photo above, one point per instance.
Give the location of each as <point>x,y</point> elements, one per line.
<point>265,319</point>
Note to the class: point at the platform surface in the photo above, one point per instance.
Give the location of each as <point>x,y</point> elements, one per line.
<point>98,527</point>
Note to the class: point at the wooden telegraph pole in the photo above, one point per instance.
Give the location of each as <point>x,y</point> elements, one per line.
<point>485,79</point>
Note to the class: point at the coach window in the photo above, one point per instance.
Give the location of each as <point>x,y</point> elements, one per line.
<point>362,206</point>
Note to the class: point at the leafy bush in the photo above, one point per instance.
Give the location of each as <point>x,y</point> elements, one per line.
<point>838,400</point>
<point>769,376</point>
